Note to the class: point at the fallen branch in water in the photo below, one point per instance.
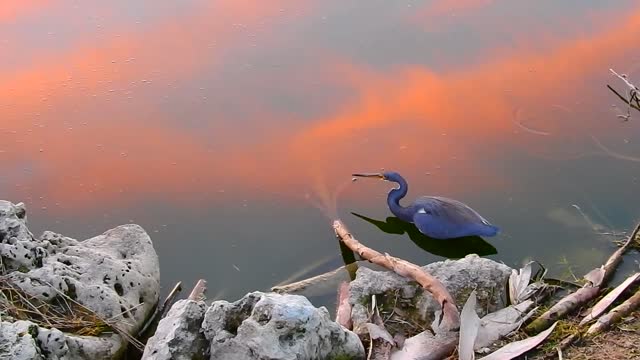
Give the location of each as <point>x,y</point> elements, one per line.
<point>616,257</point>
<point>597,278</point>
<point>450,315</point>
<point>331,276</point>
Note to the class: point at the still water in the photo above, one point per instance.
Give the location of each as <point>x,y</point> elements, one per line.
<point>229,129</point>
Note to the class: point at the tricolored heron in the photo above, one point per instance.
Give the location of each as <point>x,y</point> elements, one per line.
<point>436,217</point>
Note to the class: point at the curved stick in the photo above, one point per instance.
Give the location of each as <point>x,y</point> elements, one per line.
<point>450,315</point>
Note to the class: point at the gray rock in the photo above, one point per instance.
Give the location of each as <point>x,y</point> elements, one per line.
<point>178,335</point>
<point>460,277</point>
<point>115,274</point>
<point>17,341</point>
<point>273,326</point>
<point>18,248</point>
<point>25,340</point>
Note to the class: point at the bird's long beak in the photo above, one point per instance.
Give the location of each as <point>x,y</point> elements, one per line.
<point>374,175</point>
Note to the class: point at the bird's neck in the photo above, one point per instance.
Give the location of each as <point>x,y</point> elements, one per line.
<point>393,200</point>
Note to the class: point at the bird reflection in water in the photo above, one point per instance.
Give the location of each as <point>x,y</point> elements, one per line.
<point>453,248</point>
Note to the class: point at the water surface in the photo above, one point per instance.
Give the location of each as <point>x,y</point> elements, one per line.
<point>222,127</point>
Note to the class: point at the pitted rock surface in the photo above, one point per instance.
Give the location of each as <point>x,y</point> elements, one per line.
<point>115,274</point>
<point>274,326</point>
<point>460,277</point>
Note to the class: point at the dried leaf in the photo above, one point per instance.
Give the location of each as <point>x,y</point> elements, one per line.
<point>425,346</point>
<point>606,301</point>
<point>378,332</point>
<point>469,326</point>
<point>595,276</point>
<point>501,323</point>
<point>519,287</point>
<point>518,348</point>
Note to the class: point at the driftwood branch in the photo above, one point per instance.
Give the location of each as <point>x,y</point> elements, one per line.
<point>585,294</point>
<point>562,308</point>
<point>616,257</point>
<point>333,276</point>
<point>451,316</point>
<point>615,314</point>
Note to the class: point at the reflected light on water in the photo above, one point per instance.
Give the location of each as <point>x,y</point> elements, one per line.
<point>232,112</point>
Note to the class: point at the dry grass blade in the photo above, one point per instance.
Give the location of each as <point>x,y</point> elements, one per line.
<point>114,325</point>
<point>58,314</point>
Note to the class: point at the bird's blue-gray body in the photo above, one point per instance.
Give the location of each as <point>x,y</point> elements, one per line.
<point>437,217</point>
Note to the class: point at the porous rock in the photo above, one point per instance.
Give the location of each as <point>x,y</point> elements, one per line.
<point>274,326</point>
<point>17,342</point>
<point>115,274</point>
<point>459,277</point>
<point>179,335</point>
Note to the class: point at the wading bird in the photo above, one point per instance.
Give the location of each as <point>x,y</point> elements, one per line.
<point>436,217</point>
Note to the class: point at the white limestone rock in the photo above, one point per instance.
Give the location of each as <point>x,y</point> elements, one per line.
<point>179,335</point>
<point>273,326</point>
<point>115,274</point>
<point>460,277</point>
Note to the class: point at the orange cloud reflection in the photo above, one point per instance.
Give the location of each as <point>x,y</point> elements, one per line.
<point>460,121</point>
<point>12,10</point>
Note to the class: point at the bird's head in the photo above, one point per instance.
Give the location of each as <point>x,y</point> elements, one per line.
<point>387,175</point>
